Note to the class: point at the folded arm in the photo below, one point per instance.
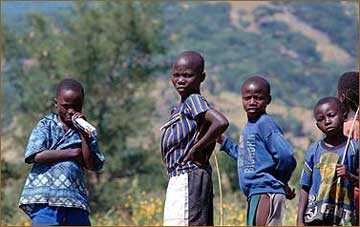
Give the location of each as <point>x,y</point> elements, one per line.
<point>49,156</point>
<point>217,125</point>
<point>283,154</point>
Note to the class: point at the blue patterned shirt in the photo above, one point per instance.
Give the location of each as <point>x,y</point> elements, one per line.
<point>179,134</point>
<point>59,183</point>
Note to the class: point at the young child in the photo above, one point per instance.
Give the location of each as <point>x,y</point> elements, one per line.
<point>187,141</point>
<point>323,199</point>
<point>348,93</point>
<point>54,192</point>
<point>265,159</point>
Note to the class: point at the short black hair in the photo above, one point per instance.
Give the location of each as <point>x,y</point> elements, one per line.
<point>330,99</point>
<point>258,79</point>
<point>195,57</point>
<point>348,85</point>
<point>70,84</point>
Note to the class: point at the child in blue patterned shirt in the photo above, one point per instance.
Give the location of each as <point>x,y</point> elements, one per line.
<point>54,192</point>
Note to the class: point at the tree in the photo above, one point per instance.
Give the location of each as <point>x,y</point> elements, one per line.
<point>110,48</point>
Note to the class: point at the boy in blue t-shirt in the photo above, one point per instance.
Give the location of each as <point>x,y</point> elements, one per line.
<point>324,200</point>
<point>187,141</point>
<point>265,159</point>
<point>54,192</point>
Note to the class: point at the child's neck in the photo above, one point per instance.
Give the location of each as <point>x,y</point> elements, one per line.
<point>65,126</point>
<point>255,118</point>
<point>335,140</point>
<point>183,98</point>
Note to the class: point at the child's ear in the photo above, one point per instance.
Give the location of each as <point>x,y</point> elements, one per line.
<point>342,97</point>
<point>344,115</point>
<point>269,100</point>
<point>203,76</point>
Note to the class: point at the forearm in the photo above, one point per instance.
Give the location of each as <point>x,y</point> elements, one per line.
<point>49,156</point>
<point>217,125</point>
<point>283,154</point>
<point>229,147</point>
<point>215,130</point>
<point>88,157</point>
<point>304,194</point>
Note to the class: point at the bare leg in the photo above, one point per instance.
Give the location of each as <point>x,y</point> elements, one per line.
<point>263,210</point>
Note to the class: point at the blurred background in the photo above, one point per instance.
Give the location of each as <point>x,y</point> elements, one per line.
<point>122,54</point>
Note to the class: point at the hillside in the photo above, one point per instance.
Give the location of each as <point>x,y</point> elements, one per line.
<point>293,50</point>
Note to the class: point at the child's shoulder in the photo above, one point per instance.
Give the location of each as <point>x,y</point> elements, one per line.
<point>196,100</point>
<point>266,118</point>
<point>47,119</point>
<point>314,145</point>
<point>195,96</point>
<point>267,123</point>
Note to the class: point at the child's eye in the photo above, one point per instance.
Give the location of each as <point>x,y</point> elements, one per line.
<point>332,114</point>
<point>319,119</point>
<point>258,97</point>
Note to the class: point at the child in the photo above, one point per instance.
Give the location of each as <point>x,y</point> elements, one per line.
<point>348,93</point>
<point>323,199</point>
<point>187,141</point>
<point>265,159</point>
<point>54,192</point>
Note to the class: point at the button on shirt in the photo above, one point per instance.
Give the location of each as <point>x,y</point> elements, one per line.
<point>59,183</point>
<point>179,134</point>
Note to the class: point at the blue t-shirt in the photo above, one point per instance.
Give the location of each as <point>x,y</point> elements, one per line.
<point>329,200</point>
<point>179,134</point>
<point>264,157</point>
<point>59,183</point>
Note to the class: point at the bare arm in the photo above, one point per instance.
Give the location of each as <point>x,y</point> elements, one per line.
<point>341,172</point>
<point>304,194</point>
<point>49,156</point>
<point>217,125</point>
<point>88,157</point>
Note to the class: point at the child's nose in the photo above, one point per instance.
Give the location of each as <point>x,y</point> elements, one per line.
<point>327,120</point>
<point>252,100</point>
<point>71,111</point>
<point>181,81</point>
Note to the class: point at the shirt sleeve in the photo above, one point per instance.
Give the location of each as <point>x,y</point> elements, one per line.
<point>99,156</point>
<point>38,142</point>
<point>196,104</point>
<point>230,148</point>
<point>282,153</point>
<point>306,174</point>
<point>356,158</point>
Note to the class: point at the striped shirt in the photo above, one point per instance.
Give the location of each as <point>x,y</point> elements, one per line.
<point>179,134</point>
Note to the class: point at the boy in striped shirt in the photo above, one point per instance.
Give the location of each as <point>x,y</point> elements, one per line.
<point>188,139</point>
